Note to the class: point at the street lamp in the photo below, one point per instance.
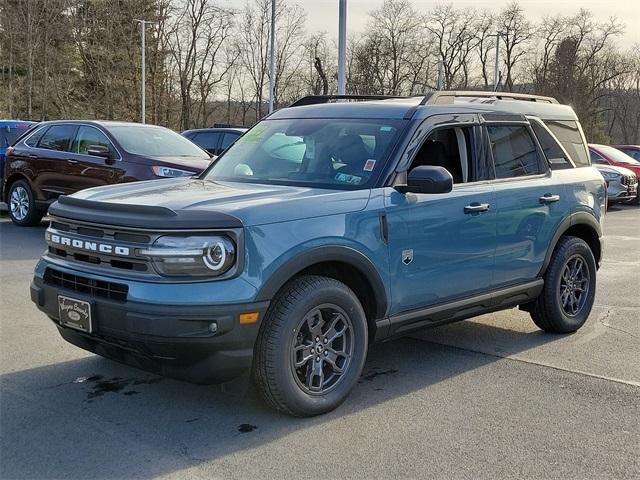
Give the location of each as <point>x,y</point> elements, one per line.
<point>272,55</point>
<point>342,47</point>
<point>496,71</point>
<point>144,24</point>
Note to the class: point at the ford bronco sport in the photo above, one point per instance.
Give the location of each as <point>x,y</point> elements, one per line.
<point>325,228</point>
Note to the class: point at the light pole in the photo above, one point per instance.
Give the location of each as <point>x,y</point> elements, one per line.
<point>342,47</point>
<point>496,71</point>
<point>272,55</point>
<point>143,23</point>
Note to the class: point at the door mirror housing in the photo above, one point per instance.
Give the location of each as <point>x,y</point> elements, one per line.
<point>427,179</point>
<point>99,151</point>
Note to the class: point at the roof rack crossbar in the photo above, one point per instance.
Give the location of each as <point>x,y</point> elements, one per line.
<point>316,99</point>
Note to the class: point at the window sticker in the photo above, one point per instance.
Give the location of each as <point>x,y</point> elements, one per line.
<point>346,178</point>
<point>369,165</point>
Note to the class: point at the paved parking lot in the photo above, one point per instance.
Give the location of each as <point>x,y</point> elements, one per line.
<point>488,398</point>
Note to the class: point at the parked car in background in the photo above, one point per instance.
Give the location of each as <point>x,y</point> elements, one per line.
<point>10,130</point>
<point>63,157</point>
<point>607,155</point>
<point>622,183</point>
<point>214,140</point>
<point>632,150</point>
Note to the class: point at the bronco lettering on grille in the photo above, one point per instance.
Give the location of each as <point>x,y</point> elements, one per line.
<point>105,248</point>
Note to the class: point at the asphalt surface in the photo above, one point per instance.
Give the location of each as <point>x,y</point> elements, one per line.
<point>488,398</point>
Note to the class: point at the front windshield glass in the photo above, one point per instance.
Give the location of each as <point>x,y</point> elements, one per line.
<point>325,153</point>
<point>154,141</point>
<point>618,156</point>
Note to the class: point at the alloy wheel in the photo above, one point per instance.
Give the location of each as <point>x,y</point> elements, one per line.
<point>322,349</point>
<point>574,285</point>
<point>19,203</point>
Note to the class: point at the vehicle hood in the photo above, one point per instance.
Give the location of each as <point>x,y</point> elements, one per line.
<point>252,204</point>
<point>613,169</point>
<point>194,164</point>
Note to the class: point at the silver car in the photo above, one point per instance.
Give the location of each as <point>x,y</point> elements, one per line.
<point>622,183</point>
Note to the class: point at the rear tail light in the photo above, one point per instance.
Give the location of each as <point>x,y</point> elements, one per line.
<point>9,151</point>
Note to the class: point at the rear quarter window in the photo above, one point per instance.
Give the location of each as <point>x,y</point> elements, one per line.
<point>556,157</point>
<point>569,135</point>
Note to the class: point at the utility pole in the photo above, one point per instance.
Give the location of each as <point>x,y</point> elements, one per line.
<point>272,55</point>
<point>143,24</point>
<point>440,74</point>
<point>496,71</point>
<point>342,47</point>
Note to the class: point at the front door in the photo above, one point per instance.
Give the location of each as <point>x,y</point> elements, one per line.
<point>441,246</point>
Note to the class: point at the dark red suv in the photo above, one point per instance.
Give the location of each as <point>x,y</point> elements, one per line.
<point>62,157</point>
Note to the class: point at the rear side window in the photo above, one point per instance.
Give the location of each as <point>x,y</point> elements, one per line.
<point>228,140</point>
<point>568,134</point>
<point>33,139</point>
<point>8,135</point>
<point>555,155</point>
<point>207,140</point>
<point>57,137</point>
<point>514,151</point>
<point>88,136</point>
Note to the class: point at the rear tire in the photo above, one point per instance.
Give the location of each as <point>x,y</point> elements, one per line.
<point>569,288</point>
<point>22,205</point>
<point>311,348</point>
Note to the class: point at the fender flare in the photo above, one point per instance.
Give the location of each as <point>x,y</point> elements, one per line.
<point>330,253</point>
<point>577,218</point>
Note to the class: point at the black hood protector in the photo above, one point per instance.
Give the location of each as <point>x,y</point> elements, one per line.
<point>139,216</point>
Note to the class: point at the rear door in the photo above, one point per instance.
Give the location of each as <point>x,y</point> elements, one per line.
<point>530,201</point>
<point>48,160</point>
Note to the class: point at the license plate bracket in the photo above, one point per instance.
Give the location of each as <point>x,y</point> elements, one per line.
<point>75,313</point>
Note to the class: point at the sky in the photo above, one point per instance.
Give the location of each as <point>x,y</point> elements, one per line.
<point>322,15</point>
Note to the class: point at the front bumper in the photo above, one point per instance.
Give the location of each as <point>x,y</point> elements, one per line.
<point>170,340</point>
<point>618,192</point>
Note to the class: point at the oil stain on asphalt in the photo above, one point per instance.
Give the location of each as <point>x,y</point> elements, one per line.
<point>116,385</point>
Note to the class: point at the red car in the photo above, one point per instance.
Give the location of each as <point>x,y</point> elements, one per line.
<point>631,150</point>
<point>606,155</point>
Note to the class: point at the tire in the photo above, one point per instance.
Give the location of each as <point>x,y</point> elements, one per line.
<point>560,308</point>
<point>287,337</point>
<point>22,205</point>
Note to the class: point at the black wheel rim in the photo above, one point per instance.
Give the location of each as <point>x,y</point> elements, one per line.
<point>574,285</point>
<point>321,350</point>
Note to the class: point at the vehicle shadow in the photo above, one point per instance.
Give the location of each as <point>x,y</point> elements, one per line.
<point>93,418</point>
<point>20,243</point>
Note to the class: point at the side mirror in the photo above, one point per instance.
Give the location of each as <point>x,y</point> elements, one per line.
<point>427,179</point>
<point>99,151</point>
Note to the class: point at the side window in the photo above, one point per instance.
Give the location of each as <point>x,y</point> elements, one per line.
<point>514,151</point>
<point>35,137</point>
<point>568,134</point>
<point>58,137</point>
<point>451,148</point>
<point>207,140</point>
<point>88,136</point>
<point>554,153</point>
<point>228,140</point>
<point>596,158</point>
<point>632,153</point>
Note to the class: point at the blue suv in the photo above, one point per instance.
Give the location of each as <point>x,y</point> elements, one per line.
<point>327,227</point>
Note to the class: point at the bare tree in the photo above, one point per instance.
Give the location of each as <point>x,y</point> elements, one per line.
<point>516,31</point>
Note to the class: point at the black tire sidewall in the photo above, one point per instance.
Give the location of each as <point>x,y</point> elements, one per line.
<point>300,402</point>
<point>33,217</point>
<point>564,322</point>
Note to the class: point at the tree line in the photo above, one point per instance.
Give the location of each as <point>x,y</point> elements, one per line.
<point>208,62</point>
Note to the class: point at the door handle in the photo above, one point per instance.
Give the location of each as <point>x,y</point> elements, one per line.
<point>476,207</point>
<point>35,157</point>
<point>548,198</point>
<point>71,160</point>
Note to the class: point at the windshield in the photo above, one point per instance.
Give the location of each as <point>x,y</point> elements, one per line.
<point>325,153</point>
<point>618,156</point>
<point>155,142</point>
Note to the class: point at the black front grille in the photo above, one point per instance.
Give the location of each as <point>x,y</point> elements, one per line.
<point>629,180</point>
<point>88,286</point>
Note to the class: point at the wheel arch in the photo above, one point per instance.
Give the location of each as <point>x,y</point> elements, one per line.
<point>342,263</point>
<point>11,179</point>
<point>582,225</point>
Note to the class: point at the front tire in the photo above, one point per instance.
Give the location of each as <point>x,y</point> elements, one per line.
<point>22,205</point>
<point>311,347</point>
<point>569,288</point>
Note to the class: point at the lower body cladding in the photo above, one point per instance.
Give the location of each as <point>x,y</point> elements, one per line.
<point>196,343</point>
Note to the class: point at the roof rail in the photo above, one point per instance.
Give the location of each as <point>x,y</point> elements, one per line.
<point>315,99</point>
<point>445,97</point>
